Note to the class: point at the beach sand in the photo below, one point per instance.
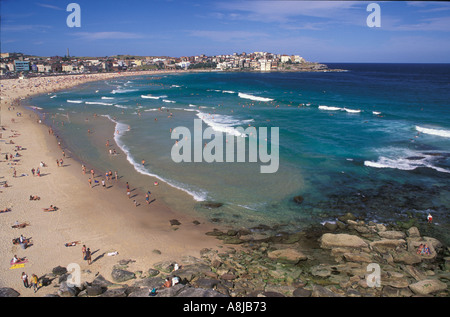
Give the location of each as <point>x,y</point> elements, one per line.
<point>104,220</point>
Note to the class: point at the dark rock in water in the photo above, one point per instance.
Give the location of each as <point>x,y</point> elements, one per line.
<point>122,275</point>
<point>211,204</point>
<point>59,270</point>
<point>8,292</point>
<point>174,222</point>
<point>298,199</point>
<point>415,158</point>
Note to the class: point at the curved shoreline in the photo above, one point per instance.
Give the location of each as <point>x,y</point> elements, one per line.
<point>105,220</point>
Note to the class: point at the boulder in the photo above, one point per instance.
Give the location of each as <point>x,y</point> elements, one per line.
<point>8,292</point>
<point>120,276</point>
<point>330,240</point>
<point>199,292</point>
<point>392,234</point>
<point>413,232</point>
<point>429,286</point>
<point>59,270</point>
<point>301,292</point>
<point>319,291</point>
<point>358,257</point>
<point>288,256</point>
<point>387,243</point>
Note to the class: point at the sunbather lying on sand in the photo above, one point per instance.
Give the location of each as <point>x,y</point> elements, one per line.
<point>51,208</point>
<point>20,225</point>
<point>71,244</point>
<point>34,197</point>
<point>5,210</point>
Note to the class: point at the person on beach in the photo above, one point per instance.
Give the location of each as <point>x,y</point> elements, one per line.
<point>34,282</point>
<point>90,182</point>
<point>103,183</point>
<point>147,198</point>
<point>430,218</point>
<point>25,280</point>
<point>128,193</point>
<point>83,250</point>
<point>116,177</point>
<point>88,256</point>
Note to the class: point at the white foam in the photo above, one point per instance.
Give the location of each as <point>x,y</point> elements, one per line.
<point>230,92</point>
<point>53,97</point>
<point>98,103</point>
<point>107,98</point>
<point>122,129</point>
<point>75,101</point>
<point>438,132</point>
<point>120,106</point>
<point>149,97</point>
<point>352,110</point>
<point>223,123</point>
<point>405,164</point>
<point>122,91</point>
<point>251,97</point>
<point>191,105</point>
<point>376,112</point>
<point>169,101</point>
<point>329,108</point>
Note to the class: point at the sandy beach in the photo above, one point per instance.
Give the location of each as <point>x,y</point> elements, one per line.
<point>103,219</point>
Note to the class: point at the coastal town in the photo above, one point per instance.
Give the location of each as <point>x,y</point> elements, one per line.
<point>18,64</point>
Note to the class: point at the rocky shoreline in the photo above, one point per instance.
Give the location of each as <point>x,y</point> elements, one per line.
<point>330,260</point>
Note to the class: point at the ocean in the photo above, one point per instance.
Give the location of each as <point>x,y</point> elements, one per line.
<point>373,140</point>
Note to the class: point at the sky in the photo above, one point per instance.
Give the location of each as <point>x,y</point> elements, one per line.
<point>319,31</point>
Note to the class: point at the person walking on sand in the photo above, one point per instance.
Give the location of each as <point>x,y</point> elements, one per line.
<point>90,183</point>
<point>25,280</point>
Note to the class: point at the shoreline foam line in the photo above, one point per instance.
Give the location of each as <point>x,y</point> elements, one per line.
<point>121,127</point>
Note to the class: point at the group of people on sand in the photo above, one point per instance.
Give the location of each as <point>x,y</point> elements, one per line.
<point>34,281</point>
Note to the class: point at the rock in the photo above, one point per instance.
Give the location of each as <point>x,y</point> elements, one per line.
<point>429,286</point>
<point>66,290</point>
<point>8,292</point>
<point>152,272</point>
<point>59,270</point>
<point>346,217</point>
<point>331,226</point>
<point>392,234</point>
<point>408,258</point>
<point>120,276</point>
<point>387,243</point>
<point>301,292</point>
<point>100,281</point>
<point>288,256</point>
<point>149,282</point>
<point>319,291</point>
<point>413,232</point>
<point>354,257</point>
<point>330,240</point>
<point>174,222</point>
<point>94,290</point>
<point>321,270</point>
<point>298,199</point>
<point>164,266</point>
<point>115,292</point>
<point>206,283</point>
<point>414,272</point>
<point>199,292</point>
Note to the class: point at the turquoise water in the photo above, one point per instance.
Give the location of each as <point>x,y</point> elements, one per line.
<point>374,140</point>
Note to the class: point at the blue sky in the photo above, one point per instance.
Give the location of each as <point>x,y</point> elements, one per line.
<point>323,31</point>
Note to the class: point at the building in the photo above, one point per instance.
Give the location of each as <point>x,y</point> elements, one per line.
<point>22,66</point>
